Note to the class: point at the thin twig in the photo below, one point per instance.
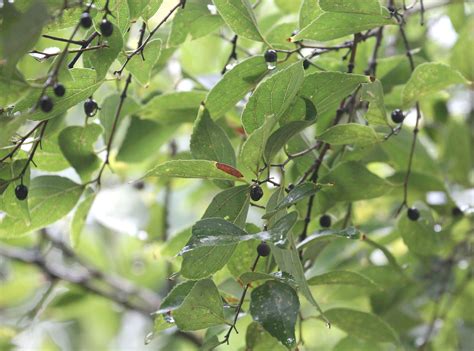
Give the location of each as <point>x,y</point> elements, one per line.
<point>86,43</point>
<point>351,65</point>
<point>417,123</point>
<point>372,69</point>
<point>78,51</point>
<point>123,96</point>
<point>64,40</point>
<point>140,48</point>
<point>233,53</point>
<point>239,307</point>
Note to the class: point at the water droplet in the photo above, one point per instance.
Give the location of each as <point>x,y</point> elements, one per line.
<point>149,338</point>
<point>168,318</point>
<point>271,65</point>
<point>173,276</point>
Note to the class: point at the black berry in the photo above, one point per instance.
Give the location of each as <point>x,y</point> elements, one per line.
<point>90,107</point>
<point>59,89</point>
<point>325,221</point>
<point>413,214</point>
<point>256,192</point>
<point>270,56</point>
<point>106,27</point>
<point>46,103</point>
<point>263,249</point>
<point>306,64</point>
<point>86,20</point>
<point>21,192</point>
<point>456,212</point>
<point>397,116</point>
<point>140,185</point>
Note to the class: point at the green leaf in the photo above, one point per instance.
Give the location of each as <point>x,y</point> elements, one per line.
<point>77,146</point>
<point>342,278</point>
<point>11,205</point>
<point>175,108</point>
<point>289,261</point>
<point>100,60</point>
<point>258,339</point>
<point>141,68</point>
<point>80,215</point>
<point>352,6</point>
<point>249,277</point>
<point>351,133</point>
<point>120,15</point>
<point>341,18</point>
<point>275,306</point>
<point>428,78</point>
<point>288,6</point>
<point>50,199</point>
<point>457,141</point>
<point>144,8</point>
<point>330,234</point>
<point>235,84</point>
<point>278,36</point>
<point>272,96</point>
<point>308,12</point>
<point>12,87</point>
<point>142,139</point>
<point>462,55</point>
<point>232,205</point>
<point>201,308</point>
<point>353,344</point>
<point>8,127</point>
<point>281,136</point>
<point>175,297</point>
<point>216,232</point>
<point>244,256</point>
<point>362,325</point>
<point>296,194</point>
<point>209,141</point>
<point>398,151</point>
<point>373,93</point>
<point>238,14</point>
<point>49,157</point>
<point>326,90</point>
<point>195,169</point>
<point>20,31</point>
<point>419,236</point>
<point>195,20</point>
<point>151,9</point>
<point>388,255</point>
<point>251,154</point>
<point>352,182</point>
<point>108,109</point>
<point>79,87</point>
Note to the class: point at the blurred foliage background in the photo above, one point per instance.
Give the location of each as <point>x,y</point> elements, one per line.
<point>124,260</point>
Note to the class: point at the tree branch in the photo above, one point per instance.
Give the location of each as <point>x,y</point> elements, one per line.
<point>141,47</point>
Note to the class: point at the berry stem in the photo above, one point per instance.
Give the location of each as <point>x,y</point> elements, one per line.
<point>123,96</point>
<point>180,4</point>
<point>64,40</point>
<point>78,51</point>
<point>84,45</point>
<point>351,65</point>
<point>239,307</point>
<point>233,53</point>
<point>417,123</point>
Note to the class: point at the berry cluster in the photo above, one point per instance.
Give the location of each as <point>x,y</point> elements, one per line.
<point>106,28</point>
